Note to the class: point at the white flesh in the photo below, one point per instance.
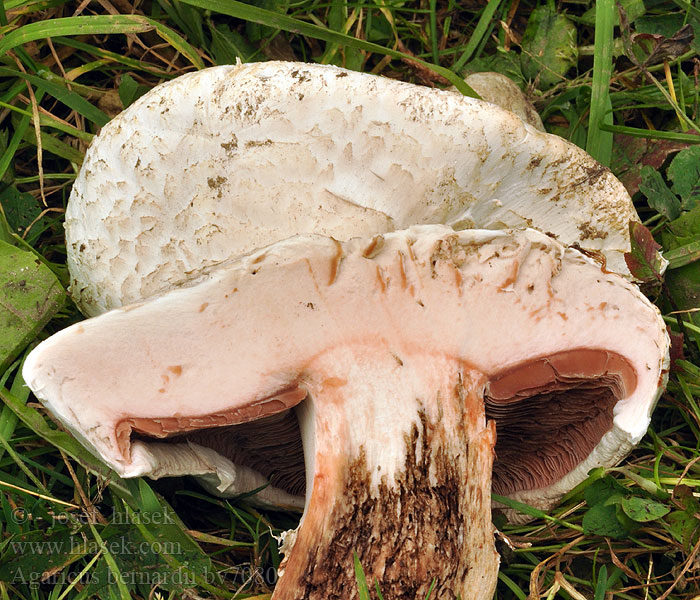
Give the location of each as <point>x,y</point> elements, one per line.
<point>246,330</point>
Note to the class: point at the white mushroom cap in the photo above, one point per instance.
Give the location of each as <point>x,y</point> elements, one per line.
<point>217,163</point>
<point>499,89</point>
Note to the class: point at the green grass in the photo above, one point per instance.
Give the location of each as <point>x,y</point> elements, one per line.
<point>629,98</point>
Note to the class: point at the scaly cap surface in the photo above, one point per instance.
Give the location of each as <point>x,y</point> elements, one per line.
<point>217,163</point>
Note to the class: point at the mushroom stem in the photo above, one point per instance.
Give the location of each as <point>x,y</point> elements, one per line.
<point>403,479</point>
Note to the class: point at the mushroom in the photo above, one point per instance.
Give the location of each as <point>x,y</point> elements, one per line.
<point>499,89</point>
<point>407,357</point>
<point>217,163</point>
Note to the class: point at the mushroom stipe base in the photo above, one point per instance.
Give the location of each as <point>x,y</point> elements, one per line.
<point>401,477</point>
<point>432,529</point>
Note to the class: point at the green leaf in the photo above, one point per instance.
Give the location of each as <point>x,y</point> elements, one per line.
<point>21,211</point>
<point>602,520</point>
<point>683,526</point>
<point>154,544</point>
<point>646,49</point>
<point>549,46</point>
<point>505,63</point>
<point>660,198</point>
<point>643,510</point>
<point>684,172</point>
<point>29,555</point>
<point>10,237</point>
<point>644,261</point>
<point>682,237</point>
<point>684,286</point>
<point>624,520</point>
<point>632,154</point>
<point>684,230</point>
<point>633,9</point>
<point>602,490</point>
<point>30,295</point>
<point>605,517</point>
<point>130,90</point>
<point>227,46</point>
<point>660,24</point>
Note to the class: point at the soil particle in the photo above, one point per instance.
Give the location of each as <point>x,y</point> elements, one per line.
<point>591,232</point>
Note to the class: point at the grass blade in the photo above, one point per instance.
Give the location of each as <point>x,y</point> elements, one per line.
<point>8,419</point>
<point>55,146</point>
<point>679,257</point>
<point>652,134</point>
<point>63,441</point>
<point>254,14</point>
<point>101,24</point>
<point>433,32</point>
<point>112,564</point>
<point>599,142</point>
<point>479,32</point>
<point>362,587</point>
<point>137,65</point>
<point>68,97</point>
<point>602,585</point>
<point>534,512</point>
<point>512,586</point>
<point>9,154</point>
<point>97,25</point>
